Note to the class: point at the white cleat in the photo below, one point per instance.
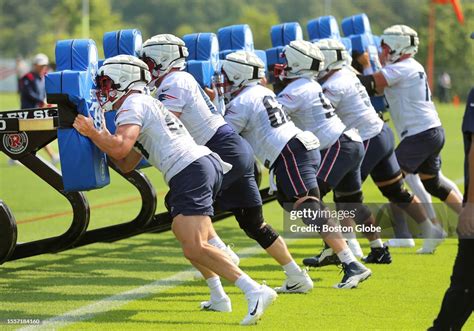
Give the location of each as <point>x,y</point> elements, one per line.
<point>355,248</point>
<point>430,244</point>
<point>258,301</point>
<point>298,283</point>
<point>221,305</point>
<point>233,256</point>
<point>401,242</point>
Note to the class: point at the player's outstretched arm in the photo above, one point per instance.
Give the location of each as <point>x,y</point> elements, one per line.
<point>118,145</point>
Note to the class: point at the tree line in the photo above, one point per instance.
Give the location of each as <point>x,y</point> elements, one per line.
<point>32,26</point>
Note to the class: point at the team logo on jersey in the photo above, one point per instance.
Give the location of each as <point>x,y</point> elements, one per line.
<point>164,96</point>
<point>15,143</point>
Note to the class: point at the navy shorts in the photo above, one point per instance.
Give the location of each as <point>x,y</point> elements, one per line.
<point>340,166</point>
<point>380,161</point>
<point>420,152</point>
<point>239,187</point>
<point>193,189</point>
<point>295,170</point>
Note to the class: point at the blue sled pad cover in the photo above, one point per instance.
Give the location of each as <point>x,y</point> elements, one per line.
<point>283,34</point>
<point>202,71</point>
<point>235,37</point>
<point>127,42</point>
<point>357,24</point>
<point>202,47</point>
<point>84,165</point>
<point>76,54</point>
<point>323,27</point>
<point>76,84</point>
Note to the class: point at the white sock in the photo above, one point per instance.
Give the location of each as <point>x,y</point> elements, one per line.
<point>346,256</point>
<point>246,284</point>
<point>217,242</point>
<point>292,268</point>
<point>215,285</point>
<point>377,243</point>
<point>427,229</point>
<point>349,235</point>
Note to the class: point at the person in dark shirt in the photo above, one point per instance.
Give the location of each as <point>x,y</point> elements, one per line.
<point>33,93</point>
<point>32,88</point>
<point>458,302</point>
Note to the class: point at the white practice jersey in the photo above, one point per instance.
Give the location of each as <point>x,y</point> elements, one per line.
<point>352,103</point>
<point>181,93</point>
<point>409,98</point>
<point>163,139</point>
<point>305,102</point>
<point>257,115</point>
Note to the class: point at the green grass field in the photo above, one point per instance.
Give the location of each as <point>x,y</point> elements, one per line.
<point>142,283</point>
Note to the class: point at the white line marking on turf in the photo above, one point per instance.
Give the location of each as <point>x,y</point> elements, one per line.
<point>115,301</point>
<point>459,181</point>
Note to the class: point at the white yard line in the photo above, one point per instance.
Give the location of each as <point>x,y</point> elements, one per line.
<point>115,301</point>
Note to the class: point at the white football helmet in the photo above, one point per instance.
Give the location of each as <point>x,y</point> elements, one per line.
<point>240,69</point>
<point>119,75</point>
<point>335,55</point>
<point>304,59</point>
<point>401,40</point>
<point>163,52</point>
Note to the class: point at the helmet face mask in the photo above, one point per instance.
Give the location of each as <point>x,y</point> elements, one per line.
<point>106,92</point>
<point>153,67</point>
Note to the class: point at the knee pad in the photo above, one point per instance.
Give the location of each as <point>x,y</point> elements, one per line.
<point>397,193</point>
<point>287,203</point>
<point>437,187</point>
<point>353,202</point>
<point>318,215</point>
<point>251,220</point>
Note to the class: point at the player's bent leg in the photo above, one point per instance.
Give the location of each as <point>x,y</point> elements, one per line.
<point>442,189</point>
<point>251,221</point>
<point>354,271</point>
<point>395,191</point>
<point>353,202</point>
<point>192,233</point>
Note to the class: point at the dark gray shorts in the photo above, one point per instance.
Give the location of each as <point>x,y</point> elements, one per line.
<point>194,189</point>
<point>420,152</point>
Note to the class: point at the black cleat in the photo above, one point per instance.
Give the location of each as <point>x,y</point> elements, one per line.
<point>354,273</point>
<point>379,255</point>
<point>326,257</point>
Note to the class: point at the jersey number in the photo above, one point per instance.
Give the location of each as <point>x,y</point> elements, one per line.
<point>324,101</point>
<point>276,114</point>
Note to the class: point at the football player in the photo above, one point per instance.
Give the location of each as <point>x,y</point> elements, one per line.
<point>193,172</point>
<point>403,81</point>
